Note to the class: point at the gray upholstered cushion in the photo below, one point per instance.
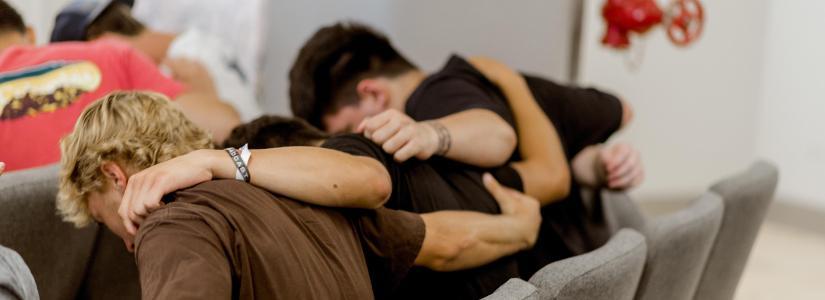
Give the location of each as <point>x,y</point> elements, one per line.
<point>678,246</point>
<point>16,281</point>
<point>610,272</point>
<point>746,197</point>
<point>514,289</point>
<point>56,252</point>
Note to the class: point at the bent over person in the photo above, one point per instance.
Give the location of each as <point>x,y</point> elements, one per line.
<point>417,186</point>
<point>229,239</point>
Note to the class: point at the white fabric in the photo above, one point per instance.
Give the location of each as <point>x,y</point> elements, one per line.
<point>222,64</point>
<point>238,23</point>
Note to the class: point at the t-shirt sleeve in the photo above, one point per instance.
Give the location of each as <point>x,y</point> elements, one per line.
<point>182,258</point>
<point>144,75</point>
<point>358,145</point>
<point>582,116</point>
<point>453,94</point>
<point>391,240</point>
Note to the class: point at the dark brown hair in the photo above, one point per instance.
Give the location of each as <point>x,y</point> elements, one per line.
<point>10,20</point>
<point>331,63</point>
<point>116,18</point>
<point>274,131</point>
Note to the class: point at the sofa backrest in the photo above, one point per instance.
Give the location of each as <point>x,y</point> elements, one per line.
<point>746,198</point>
<point>67,263</point>
<point>678,246</point>
<point>609,272</point>
<point>56,252</point>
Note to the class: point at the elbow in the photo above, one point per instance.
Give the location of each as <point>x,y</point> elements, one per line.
<point>381,190</point>
<point>627,113</point>
<point>442,259</point>
<point>556,185</point>
<point>561,182</point>
<point>505,143</point>
<point>379,186</point>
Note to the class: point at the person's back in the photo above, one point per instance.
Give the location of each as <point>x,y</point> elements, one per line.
<point>44,90</point>
<point>230,239</point>
<point>435,185</point>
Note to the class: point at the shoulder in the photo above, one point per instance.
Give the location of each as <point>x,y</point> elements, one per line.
<point>457,81</point>
<point>351,142</point>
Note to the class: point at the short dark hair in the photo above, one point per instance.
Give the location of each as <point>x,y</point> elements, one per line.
<point>10,20</point>
<point>274,131</point>
<point>116,18</point>
<point>332,62</point>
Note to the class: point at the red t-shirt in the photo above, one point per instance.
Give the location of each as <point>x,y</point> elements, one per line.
<point>43,90</point>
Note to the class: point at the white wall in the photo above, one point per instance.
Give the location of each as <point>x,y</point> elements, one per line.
<point>695,107</point>
<point>533,35</point>
<point>792,123</point>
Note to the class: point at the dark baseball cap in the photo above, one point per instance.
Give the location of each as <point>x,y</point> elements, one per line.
<point>72,21</point>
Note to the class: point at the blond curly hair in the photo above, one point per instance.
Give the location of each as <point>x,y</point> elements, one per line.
<point>135,130</point>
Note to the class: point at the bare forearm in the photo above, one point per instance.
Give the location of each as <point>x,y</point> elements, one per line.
<point>208,112</point>
<point>543,167</point>
<point>314,175</point>
<point>479,137</point>
<point>457,240</point>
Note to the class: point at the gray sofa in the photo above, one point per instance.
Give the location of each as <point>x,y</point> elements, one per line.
<point>696,253</point>
<point>67,263</point>
<point>611,272</point>
<point>92,263</point>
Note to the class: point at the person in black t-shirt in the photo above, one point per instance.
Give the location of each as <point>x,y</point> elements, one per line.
<point>417,186</point>
<point>347,77</point>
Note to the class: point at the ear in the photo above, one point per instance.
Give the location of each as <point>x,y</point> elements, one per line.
<point>374,92</point>
<point>115,174</point>
<point>31,37</point>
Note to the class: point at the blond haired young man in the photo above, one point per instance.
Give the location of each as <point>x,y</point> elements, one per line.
<point>229,239</point>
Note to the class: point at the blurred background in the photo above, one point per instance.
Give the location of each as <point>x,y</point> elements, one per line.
<point>750,87</point>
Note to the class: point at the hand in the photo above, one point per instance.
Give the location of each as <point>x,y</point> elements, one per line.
<point>622,165</point>
<point>522,208</point>
<point>191,73</point>
<point>144,189</point>
<point>2,167</point>
<point>400,135</point>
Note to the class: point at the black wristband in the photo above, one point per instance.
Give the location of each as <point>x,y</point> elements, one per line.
<point>239,164</point>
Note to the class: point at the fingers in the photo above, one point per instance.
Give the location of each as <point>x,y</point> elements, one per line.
<point>384,133</point>
<point>141,197</point>
<point>371,124</point>
<point>383,126</point>
<point>495,188</point>
<point>410,149</point>
<point>625,167</point>
<point>614,156</point>
<point>125,205</point>
<point>2,167</point>
<point>629,174</point>
<point>629,180</point>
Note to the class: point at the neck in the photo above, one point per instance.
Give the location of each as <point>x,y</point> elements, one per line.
<point>9,40</point>
<point>402,86</point>
<point>155,44</point>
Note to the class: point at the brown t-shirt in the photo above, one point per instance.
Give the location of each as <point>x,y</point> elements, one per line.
<point>227,239</point>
